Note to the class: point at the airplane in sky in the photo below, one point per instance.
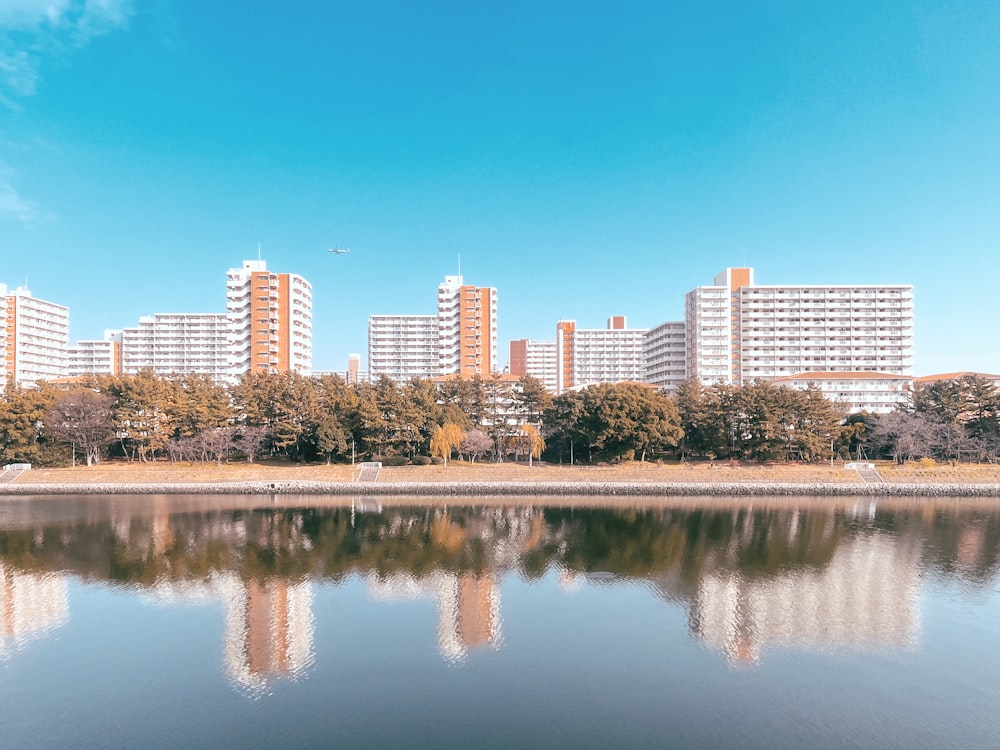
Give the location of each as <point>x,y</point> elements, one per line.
<point>339,250</point>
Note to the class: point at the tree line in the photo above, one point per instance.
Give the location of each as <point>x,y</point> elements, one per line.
<point>144,417</point>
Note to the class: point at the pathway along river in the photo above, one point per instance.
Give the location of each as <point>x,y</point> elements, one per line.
<point>193,621</point>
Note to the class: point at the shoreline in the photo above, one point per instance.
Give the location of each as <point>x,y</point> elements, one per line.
<point>506,489</point>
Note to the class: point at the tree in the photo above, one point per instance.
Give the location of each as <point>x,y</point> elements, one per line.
<point>901,434</point>
<point>534,441</point>
<point>445,439</point>
<point>623,420</point>
<point>83,419</point>
<point>22,415</point>
<point>476,444</point>
<point>331,439</point>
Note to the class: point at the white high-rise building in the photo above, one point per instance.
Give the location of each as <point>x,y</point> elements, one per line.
<point>177,344</point>
<point>270,321</point>
<point>403,347</point>
<point>35,337</point>
<point>665,354</point>
<point>96,356</point>
<point>738,332</point>
<point>587,356</point>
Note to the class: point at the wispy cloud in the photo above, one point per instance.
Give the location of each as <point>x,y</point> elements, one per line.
<point>15,207</point>
<point>32,31</point>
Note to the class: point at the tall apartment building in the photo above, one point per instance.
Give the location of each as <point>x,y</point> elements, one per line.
<point>460,340</point>
<point>35,337</point>
<point>585,356</point>
<point>467,324</point>
<point>403,347</point>
<point>738,332</point>
<point>535,358</point>
<point>178,344</point>
<point>270,320</point>
<point>96,356</point>
<point>665,352</point>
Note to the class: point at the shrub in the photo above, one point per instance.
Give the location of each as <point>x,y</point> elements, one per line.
<point>926,463</point>
<point>421,460</point>
<point>437,460</point>
<point>393,460</point>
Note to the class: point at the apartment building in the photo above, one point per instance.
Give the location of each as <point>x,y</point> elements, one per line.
<point>403,347</point>
<point>535,358</point>
<point>461,339</point>
<point>96,356</point>
<point>585,356</point>
<point>270,320</point>
<point>852,392</point>
<point>467,325</point>
<point>738,332</point>
<point>35,336</point>
<point>178,344</point>
<point>665,353</point>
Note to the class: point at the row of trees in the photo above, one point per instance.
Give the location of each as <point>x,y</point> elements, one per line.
<point>143,417</point>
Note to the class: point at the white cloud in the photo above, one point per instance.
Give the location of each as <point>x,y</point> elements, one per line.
<point>14,206</point>
<point>32,31</point>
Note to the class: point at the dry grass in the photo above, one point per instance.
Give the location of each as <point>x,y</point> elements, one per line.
<point>163,472</point>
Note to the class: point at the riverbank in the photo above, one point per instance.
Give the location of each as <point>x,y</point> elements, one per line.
<point>461,479</point>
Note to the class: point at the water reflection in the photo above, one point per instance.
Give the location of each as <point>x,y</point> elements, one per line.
<point>791,574</point>
<point>31,606</point>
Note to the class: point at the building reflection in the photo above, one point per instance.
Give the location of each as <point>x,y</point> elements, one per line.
<point>468,606</point>
<point>750,579</point>
<point>865,597</point>
<point>32,605</point>
<point>268,632</point>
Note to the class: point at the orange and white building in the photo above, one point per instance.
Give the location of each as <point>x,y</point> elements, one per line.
<point>269,321</point>
<point>535,358</point>
<point>460,340</point>
<point>586,356</point>
<point>467,327</point>
<point>738,332</point>
<point>35,337</point>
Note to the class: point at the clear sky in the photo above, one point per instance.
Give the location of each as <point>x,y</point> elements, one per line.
<point>585,158</point>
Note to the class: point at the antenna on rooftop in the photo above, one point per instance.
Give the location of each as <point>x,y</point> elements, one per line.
<point>459,264</point>
<point>258,251</point>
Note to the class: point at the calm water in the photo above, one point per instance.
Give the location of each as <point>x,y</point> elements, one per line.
<point>195,622</point>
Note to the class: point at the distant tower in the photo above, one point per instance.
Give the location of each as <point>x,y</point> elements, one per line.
<point>270,320</point>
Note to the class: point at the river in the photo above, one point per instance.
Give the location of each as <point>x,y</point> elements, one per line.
<point>165,622</point>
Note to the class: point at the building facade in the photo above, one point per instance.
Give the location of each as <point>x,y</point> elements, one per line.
<point>96,356</point>
<point>269,320</point>
<point>403,347</point>
<point>467,325</point>
<point>537,359</point>
<point>586,356</point>
<point>665,353</point>
<point>35,336</point>
<point>738,332</point>
<point>852,392</point>
<point>178,344</point>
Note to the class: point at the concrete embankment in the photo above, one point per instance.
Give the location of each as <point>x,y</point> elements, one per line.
<point>495,489</point>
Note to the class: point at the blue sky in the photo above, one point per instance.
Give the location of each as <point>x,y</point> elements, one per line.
<point>585,158</point>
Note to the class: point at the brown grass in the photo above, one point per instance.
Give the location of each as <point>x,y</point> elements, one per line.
<point>164,472</point>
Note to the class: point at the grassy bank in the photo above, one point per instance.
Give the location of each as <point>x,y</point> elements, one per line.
<point>458,472</point>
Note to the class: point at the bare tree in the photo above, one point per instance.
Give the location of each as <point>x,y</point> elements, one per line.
<point>216,443</point>
<point>249,440</point>
<point>82,418</point>
<point>475,444</point>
